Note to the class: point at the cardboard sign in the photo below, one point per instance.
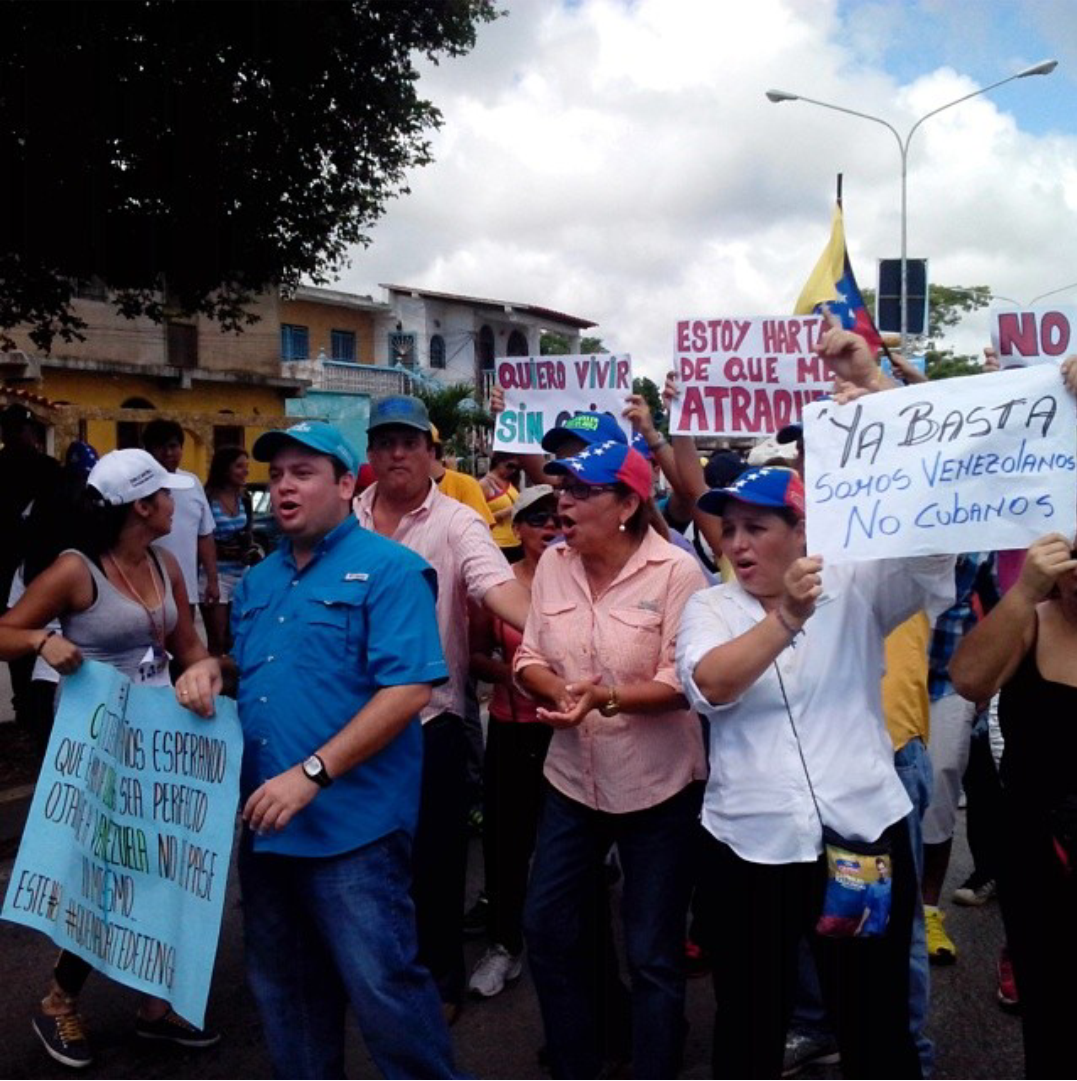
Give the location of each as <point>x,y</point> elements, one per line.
<point>981,463</point>
<point>124,858</point>
<point>1035,336</point>
<point>746,377</point>
<point>543,392</point>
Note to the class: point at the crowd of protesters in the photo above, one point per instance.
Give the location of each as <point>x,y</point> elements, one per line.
<point>683,698</point>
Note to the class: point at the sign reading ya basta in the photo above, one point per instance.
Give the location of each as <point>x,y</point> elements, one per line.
<point>981,463</point>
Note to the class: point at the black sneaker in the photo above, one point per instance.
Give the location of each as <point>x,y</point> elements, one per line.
<point>171,1028</point>
<point>64,1037</point>
<point>477,917</point>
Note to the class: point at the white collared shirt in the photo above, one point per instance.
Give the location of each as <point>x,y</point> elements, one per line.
<point>758,799</point>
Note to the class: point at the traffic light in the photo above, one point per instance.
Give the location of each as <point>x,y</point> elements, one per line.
<point>888,296</point>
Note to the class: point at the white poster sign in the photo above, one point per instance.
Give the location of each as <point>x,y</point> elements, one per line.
<point>1034,336</point>
<point>543,392</point>
<point>980,463</point>
<point>746,376</point>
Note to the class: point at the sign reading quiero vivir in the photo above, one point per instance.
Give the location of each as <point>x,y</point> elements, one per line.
<point>543,392</point>
<point>124,858</point>
<point>981,463</point>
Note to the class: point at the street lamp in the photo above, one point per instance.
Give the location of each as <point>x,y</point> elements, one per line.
<point>1045,67</point>
<point>1032,302</point>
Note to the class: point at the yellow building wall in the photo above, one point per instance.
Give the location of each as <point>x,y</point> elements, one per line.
<point>94,395</point>
<point>320,319</point>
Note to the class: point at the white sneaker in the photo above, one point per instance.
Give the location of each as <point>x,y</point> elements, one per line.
<point>496,968</point>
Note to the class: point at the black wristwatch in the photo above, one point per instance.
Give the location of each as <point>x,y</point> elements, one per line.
<point>314,768</point>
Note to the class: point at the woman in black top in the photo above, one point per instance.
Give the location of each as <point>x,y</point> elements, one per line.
<point>1027,647</point>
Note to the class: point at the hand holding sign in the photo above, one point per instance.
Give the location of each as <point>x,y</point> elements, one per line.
<point>847,354</point>
<point>803,586</point>
<point>1047,560</point>
<point>199,685</point>
<point>62,654</point>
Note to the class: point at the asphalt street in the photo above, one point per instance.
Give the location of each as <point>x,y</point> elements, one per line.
<point>497,1037</point>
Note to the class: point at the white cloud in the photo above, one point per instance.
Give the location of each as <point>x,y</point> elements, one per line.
<point>620,161</point>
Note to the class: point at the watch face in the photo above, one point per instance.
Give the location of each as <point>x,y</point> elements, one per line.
<point>312,767</point>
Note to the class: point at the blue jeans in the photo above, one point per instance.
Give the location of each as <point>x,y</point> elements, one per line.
<point>655,848</point>
<point>913,765</point>
<point>325,931</point>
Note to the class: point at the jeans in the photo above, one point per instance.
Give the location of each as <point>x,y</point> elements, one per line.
<point>655,848</point>
<point>324,931</point>
<point>913,765</point>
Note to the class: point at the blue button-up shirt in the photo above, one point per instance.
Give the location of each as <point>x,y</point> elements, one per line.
<point>313,646</point>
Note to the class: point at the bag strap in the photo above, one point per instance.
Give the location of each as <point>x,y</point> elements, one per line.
<point>800,749</point>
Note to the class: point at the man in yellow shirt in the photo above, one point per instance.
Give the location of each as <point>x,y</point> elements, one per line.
<point>456,485</point>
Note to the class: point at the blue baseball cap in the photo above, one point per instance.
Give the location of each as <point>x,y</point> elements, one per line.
<point>314,435</point>
<point>402,411</point>
<point>772,487</point>
<point>590,427</point>
<point>607,463</point>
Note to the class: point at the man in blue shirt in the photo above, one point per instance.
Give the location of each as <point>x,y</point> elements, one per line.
<point>336,646</point>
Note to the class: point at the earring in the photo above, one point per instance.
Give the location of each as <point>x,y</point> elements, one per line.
<point>621,528</point>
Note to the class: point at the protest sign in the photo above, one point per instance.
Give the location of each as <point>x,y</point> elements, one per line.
<point>1035,336</point>
<point>746,377</point>
<point>124,858</point>
<point>543,392</point>
<point>960,465</point>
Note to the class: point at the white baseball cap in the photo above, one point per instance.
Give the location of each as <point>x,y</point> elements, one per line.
<point>122,476</point>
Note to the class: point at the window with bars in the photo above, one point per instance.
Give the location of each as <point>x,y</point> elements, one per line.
<point>342,345</point>
<point>294,342</point>
<point>437,351</point>
<point>402,348</point>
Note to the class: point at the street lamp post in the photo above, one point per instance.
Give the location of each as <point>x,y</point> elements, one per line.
<point>1043,68</point>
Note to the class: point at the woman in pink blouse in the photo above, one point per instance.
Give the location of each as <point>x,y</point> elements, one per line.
<point>624,763</point>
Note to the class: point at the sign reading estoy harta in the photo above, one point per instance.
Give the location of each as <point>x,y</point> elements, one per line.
<point>124,858</point>
<point>746,376</point>
<point>543,392</point>
<point>981,463</point>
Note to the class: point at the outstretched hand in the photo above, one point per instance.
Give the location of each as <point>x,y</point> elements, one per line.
<point>573,704</point>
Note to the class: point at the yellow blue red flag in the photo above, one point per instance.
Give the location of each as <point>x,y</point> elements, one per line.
<point>833,283</point>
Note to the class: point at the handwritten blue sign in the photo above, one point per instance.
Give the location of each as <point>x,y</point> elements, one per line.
<point>980,463</point>
<point>125,855</point>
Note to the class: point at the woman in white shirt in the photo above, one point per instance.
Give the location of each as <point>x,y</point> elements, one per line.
<point>786,662</point>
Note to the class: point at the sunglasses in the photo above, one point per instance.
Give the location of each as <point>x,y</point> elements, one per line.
<point>582,492</point>
<point>537,519</point>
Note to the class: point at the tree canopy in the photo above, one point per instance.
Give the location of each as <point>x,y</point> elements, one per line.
<point>190,155</point>
<point>552,344</point>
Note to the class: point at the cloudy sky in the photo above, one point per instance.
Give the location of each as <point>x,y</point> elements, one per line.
<point>619,160</point>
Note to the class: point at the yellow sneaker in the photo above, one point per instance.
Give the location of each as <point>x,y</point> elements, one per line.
<point>940,947</point>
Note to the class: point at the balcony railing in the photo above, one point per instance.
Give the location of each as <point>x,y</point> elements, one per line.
<point>347,378</point>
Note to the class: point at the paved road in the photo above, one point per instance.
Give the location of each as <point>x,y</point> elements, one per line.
<point>495,1038</point>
